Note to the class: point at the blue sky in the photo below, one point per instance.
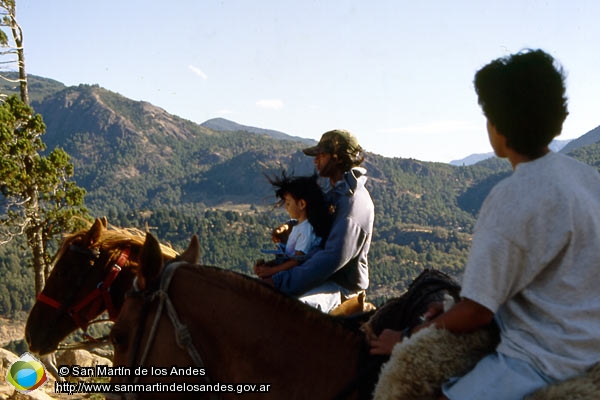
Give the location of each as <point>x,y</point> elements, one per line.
<point>396,73</point>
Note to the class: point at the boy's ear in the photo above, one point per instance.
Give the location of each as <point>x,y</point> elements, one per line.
<point>302,204</point>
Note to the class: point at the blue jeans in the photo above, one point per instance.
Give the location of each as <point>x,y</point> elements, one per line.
<point>326,296</point>
<point>496,376</point>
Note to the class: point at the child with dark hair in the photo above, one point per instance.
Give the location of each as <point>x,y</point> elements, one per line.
<point>339,269</point>
<point>305,202</point>
<point>533,263</point>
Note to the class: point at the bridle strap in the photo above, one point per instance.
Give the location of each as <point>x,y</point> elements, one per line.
<point>182,333</point>
<point>102,291</point>
<point>92,253</point>
<point>48,300</point>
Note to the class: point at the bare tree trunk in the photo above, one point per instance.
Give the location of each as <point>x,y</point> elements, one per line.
<point>35,239</point>
<point>34,229</point>
<point>17,33</point>
<point>23,75</point>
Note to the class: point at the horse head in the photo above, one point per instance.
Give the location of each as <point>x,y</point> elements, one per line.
<point>90,274</point>
<point>148,293</point>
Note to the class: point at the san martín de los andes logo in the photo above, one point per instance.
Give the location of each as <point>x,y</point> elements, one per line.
<point>26,374</point>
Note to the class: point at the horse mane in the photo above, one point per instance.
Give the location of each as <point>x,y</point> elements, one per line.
<point>254,288</point>
<point>114,237</point>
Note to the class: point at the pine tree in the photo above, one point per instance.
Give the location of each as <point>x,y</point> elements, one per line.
<point>40,200</point>
<point>39,197</point>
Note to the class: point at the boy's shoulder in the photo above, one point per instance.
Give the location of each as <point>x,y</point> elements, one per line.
<point>552,171</point>
<point>542,187</point>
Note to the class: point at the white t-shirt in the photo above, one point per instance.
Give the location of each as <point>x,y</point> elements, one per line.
<point>535,262</point>
<point>302,238</point>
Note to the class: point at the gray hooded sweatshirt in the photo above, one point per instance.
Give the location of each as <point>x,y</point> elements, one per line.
<point>343,258</point>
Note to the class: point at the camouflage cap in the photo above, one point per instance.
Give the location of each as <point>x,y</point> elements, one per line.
<point>338,142</point>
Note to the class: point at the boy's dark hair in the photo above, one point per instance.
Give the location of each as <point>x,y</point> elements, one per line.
<point>523,96</point>
<point>308,189</point>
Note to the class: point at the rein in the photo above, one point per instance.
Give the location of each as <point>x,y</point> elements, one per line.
<point>181,332</point>
<point>101,292</point>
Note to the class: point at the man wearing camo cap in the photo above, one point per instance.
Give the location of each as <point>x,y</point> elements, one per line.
<point>339,269</point>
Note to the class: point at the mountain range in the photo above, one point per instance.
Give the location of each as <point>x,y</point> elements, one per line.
<point>224,125</point>
<point>41,88</point>
<point>556,146</point>
<point>142,166</point>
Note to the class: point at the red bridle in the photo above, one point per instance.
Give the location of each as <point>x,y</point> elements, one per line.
<point>101,292</point>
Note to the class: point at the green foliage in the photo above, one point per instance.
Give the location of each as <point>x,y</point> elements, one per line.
<point>20,143</point>
<point>39,199</point>
<point>8,8</point>
<point>589,154</point>
<point>23,167</point>
<point>3,39</point>
<point>16,292</point>
<point>228,238</point>
<point>39,88</point>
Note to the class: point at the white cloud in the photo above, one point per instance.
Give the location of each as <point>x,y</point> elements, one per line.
<point>198,72</point>
<point>224,112</point>
<point>272,104</point>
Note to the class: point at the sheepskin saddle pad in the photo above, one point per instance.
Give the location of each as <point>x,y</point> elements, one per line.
<point>419,365</point>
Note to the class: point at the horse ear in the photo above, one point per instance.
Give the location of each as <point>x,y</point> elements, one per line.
<point>192,253</point>
<point>105,222</point>
<point>151,262</point>
<point>93,235</point>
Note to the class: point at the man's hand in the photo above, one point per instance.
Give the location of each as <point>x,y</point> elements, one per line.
<point>263,270</point>
<point>433,310</point>
<point>465,316</point>
<point>268,281</point>
<point>385,342</point>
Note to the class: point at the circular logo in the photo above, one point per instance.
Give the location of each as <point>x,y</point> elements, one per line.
<point>26,374</point>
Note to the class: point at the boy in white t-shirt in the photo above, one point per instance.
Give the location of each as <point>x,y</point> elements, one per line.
<point>534,264</point>
<point>305,202</point>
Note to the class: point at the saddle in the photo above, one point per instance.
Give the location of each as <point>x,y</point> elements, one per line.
<point>407,310</point>
<point>399,313</point>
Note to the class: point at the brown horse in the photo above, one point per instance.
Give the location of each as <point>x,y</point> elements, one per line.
<point>91,273</point>
<point>240,335</point>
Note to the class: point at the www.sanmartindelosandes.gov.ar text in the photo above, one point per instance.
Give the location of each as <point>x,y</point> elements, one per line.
<point>98,371</point>
<point>158,387</point>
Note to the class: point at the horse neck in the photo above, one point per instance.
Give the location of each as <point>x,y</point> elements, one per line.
<point>245,330</point>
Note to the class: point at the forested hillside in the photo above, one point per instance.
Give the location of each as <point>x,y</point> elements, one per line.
<point>144,167</point>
